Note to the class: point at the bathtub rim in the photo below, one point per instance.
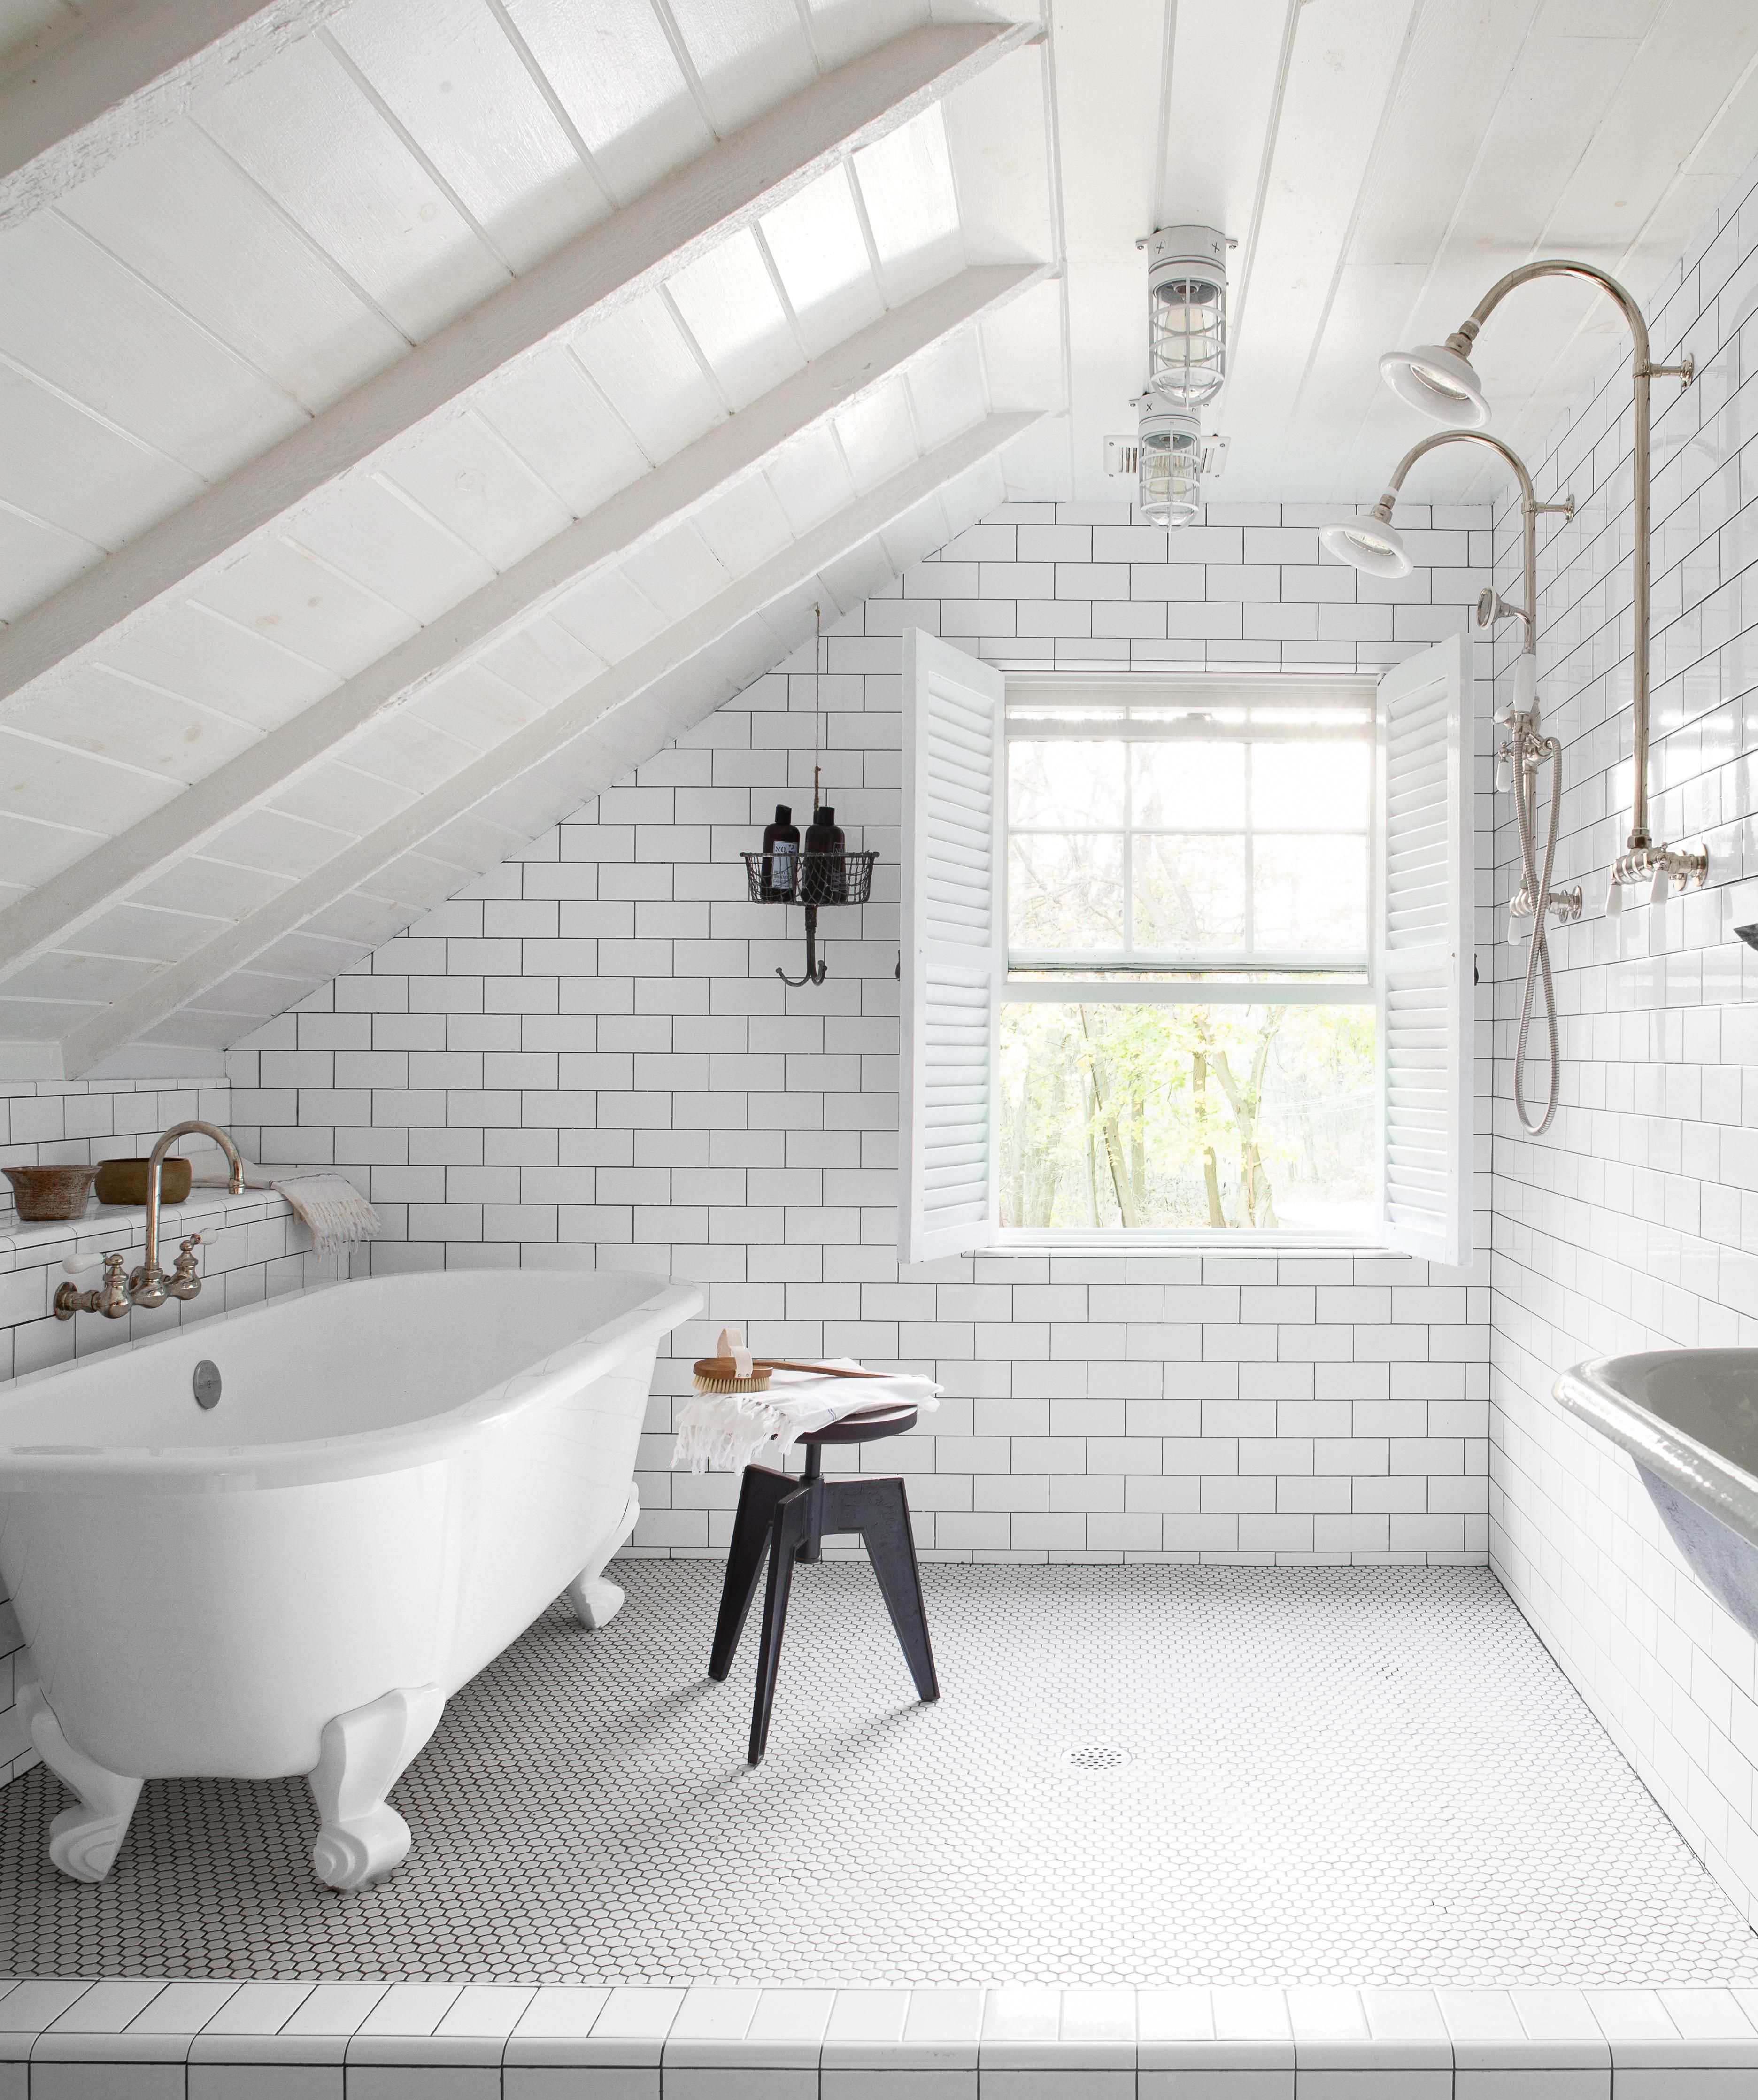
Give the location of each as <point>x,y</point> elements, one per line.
<point>1599,1392</point>
<point>247,1468</point>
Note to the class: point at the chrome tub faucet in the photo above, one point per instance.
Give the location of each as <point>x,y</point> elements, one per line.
<point>149,1285</point>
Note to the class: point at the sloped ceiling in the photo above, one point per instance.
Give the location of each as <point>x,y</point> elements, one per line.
<point>403,439</point>
<point>414,411</point>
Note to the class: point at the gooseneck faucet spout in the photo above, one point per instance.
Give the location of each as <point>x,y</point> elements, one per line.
<point>149,1285</point>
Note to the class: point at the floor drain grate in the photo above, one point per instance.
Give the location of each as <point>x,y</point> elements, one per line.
<point>1097,1757</point>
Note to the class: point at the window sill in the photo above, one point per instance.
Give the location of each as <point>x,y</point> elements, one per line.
<point>1120,1239</point>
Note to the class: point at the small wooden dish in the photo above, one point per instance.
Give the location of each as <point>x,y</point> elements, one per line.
<point>43,1192</point>
<point>124,1180</point>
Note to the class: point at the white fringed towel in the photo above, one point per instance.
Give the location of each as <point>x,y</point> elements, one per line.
<point>730,1431</point>
<point>326,1203</point>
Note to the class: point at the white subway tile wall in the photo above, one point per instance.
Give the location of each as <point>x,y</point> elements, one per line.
<point>1632,1223</point>
<point>588,1057</point>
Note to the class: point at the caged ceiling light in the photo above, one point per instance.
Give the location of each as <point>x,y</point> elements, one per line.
<point>1169,462</point>
<point>1187,314</point>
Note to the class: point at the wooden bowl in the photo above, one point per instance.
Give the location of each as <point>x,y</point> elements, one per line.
<point>42,1193</point>
<point>124,1180</point>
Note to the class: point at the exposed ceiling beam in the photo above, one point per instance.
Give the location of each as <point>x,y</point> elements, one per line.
<point>70,110</point>
<point>614,263</point>
<point>626,521</point>
<point>248,937</point>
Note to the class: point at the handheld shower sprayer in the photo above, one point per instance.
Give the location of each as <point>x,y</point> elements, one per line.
<point>1369,543</point>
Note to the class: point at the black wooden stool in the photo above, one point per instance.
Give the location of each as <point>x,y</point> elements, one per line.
<point>783,1520</point>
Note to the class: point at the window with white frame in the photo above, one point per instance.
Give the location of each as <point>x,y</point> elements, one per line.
<point>1185,955</point>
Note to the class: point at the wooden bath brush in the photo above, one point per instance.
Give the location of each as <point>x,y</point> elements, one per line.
<point>735,1370</point>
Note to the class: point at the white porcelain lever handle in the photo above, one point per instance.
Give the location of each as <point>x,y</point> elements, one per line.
<point>77,1264</point>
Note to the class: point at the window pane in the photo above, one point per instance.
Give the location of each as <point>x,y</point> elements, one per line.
<point>1205,1117</point>
<point>1311,787</point>
<point>1065,783</point>
<point>1065,892</point>
<point>1311,895</point>
<point>1190,784</point>
<point>1190,892</point>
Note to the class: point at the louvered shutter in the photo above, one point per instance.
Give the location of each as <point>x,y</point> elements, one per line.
<point>955,948</point>
<point>1423,960</point>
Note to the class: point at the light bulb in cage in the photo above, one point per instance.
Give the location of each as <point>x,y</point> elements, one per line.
<point>1169,463</point>
<point>1187,314</point>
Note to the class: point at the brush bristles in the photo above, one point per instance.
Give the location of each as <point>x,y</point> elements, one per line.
<point>758,1382</point>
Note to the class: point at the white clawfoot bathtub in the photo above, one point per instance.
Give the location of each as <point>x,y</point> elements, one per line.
<point>398,1476</point>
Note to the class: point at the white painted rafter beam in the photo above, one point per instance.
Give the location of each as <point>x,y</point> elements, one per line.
<point>174,986</point>
<point>611,265</point>
<point>627,521</point>
<point>68,112</point>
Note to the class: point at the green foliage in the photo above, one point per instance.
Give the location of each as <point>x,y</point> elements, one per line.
<point>1177,1115</point>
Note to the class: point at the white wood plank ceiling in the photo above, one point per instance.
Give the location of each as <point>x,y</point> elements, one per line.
<point>412,412</point>
<point>1381,163</point>
<point>409,423</point>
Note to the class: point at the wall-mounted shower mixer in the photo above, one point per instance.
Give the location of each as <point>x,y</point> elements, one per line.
<point>1667,870</point>
<point>1525,749</point>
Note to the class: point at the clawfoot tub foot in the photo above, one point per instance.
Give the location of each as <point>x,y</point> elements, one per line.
<point>597,1602</point>
<point>82,1841</point>
<point>360,1836</point>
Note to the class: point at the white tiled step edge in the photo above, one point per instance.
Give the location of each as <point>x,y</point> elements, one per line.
<point>128,2039</point>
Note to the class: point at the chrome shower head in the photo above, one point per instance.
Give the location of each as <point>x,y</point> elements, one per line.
<point>1368,541</point>
<point>1440,381</point>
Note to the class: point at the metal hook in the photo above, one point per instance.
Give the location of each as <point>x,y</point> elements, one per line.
<point>816,966</point>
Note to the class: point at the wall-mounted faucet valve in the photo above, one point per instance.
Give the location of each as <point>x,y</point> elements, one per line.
<point>110,1298</point>
<point>1664,871</point>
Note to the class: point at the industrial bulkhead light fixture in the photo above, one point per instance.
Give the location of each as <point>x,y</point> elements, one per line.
<point>1167,462</point>
<point>1187,367</point>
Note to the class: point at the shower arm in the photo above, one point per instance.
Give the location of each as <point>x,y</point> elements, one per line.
<point>1530,509</point>
<point>1640,858</point>
<point>1566,903</point>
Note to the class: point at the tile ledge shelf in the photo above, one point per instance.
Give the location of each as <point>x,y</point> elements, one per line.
<point>106,1225</point>
<point>1295,2040</point>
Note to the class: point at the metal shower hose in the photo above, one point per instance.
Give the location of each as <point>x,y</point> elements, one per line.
<point>1531,753</point>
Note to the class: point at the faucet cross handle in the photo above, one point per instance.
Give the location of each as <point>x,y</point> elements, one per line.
<point>186,1282</point>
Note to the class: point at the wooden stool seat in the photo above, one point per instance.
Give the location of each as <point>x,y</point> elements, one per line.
<point>781,1521</point>
<point>867,1426</point>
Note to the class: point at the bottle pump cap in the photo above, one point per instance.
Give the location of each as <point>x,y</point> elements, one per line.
<point>783,813</point>
<point>827,815</point>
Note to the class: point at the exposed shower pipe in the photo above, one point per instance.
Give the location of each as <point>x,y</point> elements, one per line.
<point>1371,542</point>
<point>1439,379</point>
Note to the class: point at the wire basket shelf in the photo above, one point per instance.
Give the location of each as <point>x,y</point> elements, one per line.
<point>817,878</point>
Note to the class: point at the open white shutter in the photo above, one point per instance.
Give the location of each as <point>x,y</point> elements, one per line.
<point>955,948</point>
<point>1423,955</point>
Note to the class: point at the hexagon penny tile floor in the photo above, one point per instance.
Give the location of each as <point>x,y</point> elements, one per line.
<point>1142,1775</point>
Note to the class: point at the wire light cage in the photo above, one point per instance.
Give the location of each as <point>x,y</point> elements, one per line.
<point>1187,314</point>
<point>1169,463</point>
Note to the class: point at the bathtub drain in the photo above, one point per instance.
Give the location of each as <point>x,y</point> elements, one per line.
<point>206,1384</point>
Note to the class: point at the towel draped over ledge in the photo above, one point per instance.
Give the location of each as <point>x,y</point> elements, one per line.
<point>326,1203</point>
<point>730,1431</point>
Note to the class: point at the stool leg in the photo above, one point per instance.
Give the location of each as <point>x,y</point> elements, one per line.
<point>759,1493</point>
<point>879,1511</point>
<point>787,1530</point>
